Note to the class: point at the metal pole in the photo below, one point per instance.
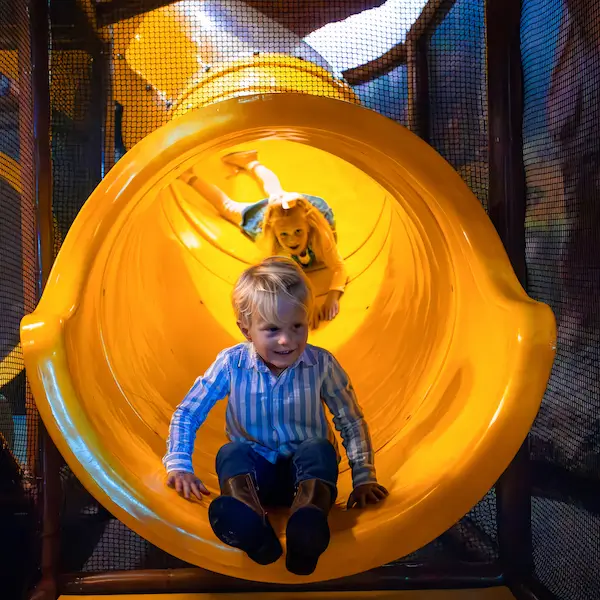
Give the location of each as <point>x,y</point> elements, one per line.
<point>392,577</point>
<point>50,459</point>
<point>506,204</point>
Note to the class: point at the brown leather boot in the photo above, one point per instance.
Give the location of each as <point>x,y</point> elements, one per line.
<point>307,530</point>
<point>239,520</point>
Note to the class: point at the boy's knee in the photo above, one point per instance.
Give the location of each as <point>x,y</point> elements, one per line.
<point>320,446</point>
<point>234,459</point>
<point>317,458</point>
<point>232,450</point>
<point>316,442</point>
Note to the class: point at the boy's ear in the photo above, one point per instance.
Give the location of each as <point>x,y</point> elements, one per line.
<point>245,331</point>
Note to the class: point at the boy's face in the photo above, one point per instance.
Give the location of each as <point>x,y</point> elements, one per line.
<point>279,344</point>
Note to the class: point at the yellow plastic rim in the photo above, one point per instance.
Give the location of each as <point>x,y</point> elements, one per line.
<point>449,356</point>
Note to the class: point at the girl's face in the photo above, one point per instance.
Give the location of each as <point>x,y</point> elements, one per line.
<point>292,233</point>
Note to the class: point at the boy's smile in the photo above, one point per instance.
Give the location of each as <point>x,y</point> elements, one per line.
<point>280,341</point>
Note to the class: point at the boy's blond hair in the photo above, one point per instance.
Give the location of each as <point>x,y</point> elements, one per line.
<point>261,287</point>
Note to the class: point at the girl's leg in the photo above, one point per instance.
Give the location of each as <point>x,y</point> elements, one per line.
<point>229,209</point>
<point>248,160</point>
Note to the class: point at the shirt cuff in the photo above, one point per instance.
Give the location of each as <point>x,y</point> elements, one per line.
<point>178,461</point>
<point>363,474</point>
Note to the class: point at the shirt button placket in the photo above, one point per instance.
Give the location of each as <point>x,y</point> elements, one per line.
<point>271,409</point>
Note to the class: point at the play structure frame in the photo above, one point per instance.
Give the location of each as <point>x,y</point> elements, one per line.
<point>506,207</point>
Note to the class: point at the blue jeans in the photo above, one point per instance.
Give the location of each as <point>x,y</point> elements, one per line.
<point>276,483</point>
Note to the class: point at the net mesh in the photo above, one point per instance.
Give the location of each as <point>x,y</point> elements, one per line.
<point>17,229</point>
<point>458,94</point>
<point>561,62</point>
<point>18,419</point>
<point>72,135</point>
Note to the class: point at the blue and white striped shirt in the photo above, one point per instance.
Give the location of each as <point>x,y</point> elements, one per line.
<point>274,414</point>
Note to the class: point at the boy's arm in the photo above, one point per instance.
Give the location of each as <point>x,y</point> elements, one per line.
<point>339,396</point>
<point>192,412</point>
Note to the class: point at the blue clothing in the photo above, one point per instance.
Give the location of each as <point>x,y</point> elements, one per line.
<point>276,483</point>
<point>274,414</point>
<point>4,85</point>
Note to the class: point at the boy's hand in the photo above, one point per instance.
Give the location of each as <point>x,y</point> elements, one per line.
<point>186,483</point>
<point>367,493</point>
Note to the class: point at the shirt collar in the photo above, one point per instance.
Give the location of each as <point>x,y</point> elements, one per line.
<point>249,359</point>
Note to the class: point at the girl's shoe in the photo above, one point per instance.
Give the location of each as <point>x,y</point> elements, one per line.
<point>242,160</point>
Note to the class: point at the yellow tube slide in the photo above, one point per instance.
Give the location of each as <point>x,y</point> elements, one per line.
<point>449,356</point>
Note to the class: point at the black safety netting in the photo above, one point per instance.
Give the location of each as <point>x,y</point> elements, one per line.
<point>18,295</point>
<point>96,119</point>
<point>561,63</point>
<point>458,93</point>
<point>107,94</point>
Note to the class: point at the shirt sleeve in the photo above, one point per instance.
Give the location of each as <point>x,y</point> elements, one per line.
<point>339,397</point>
<point>192,412</point>
<point>336,264</point>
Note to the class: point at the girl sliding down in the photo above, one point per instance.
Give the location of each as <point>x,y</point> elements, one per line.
<point>284,223</point>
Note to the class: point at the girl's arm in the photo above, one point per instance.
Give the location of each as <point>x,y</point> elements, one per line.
<point>331,306</point>
<point>268,180</point>
<point>336,264</point>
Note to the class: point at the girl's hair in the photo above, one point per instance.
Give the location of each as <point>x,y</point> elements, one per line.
<point>321,237</point>
<point>260,289</point>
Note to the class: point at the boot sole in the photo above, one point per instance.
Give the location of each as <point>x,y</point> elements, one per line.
<point>307,536</point>
<point>237,525</point>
